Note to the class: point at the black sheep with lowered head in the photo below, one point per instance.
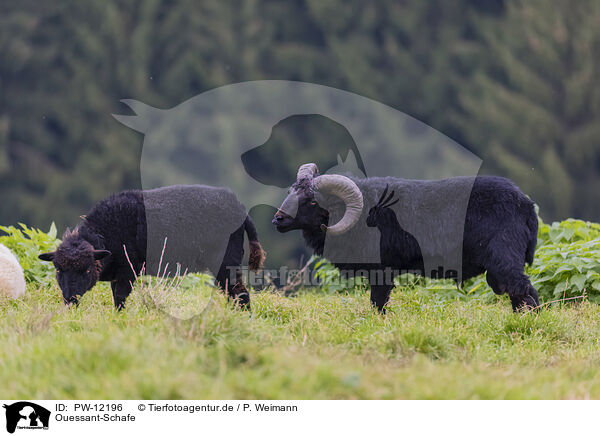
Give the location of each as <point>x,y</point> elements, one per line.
<point>452,228</point>
<point>162,231</point>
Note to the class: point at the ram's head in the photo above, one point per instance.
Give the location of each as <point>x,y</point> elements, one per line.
<point>303,207</point>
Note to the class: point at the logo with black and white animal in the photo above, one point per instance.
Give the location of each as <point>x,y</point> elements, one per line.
<point>25,415</point>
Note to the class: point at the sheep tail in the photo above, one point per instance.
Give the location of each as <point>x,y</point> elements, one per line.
<point>257,254</point>
<point>532,224</point>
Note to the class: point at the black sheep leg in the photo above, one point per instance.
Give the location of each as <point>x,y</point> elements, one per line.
<point>229,276</point>
<point>494,283</point>
<point>380,295</point>
<point>521,292</point>
<point>505,265</point>
<point>120,290</point>
<point>526,297</point>
<point>230,279</point>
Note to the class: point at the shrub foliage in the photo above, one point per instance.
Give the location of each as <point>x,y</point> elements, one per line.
<point>26,244</point>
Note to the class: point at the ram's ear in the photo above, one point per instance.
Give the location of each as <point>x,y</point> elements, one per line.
<point>101,254</point>
<point>47,256</point>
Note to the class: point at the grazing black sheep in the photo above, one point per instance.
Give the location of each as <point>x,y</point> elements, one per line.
<point>163,231</point>
<point>454,228</point>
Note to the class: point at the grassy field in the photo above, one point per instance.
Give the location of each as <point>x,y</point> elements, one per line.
<point>311,346</point>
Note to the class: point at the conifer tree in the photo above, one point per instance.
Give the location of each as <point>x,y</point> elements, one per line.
<point>533,110</point>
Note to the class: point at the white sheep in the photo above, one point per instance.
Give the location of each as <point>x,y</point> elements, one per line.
<point>12,280</point>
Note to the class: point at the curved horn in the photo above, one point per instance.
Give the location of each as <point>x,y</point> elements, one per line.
<point>346,189</point>
<point>308,170</point>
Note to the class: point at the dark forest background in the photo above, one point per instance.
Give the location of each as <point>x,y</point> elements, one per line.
<point>516,82</point>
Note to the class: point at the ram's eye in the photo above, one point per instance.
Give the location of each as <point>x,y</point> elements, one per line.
<point>313,203</point>
<point>89,270</point>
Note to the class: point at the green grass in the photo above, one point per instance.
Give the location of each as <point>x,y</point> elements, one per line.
<point>311,346</point>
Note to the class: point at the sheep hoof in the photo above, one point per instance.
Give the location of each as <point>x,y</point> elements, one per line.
<point>242,300</point>
<point>525,303</point>
<point>380,310</point>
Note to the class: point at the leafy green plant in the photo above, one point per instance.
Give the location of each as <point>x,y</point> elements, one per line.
<point>446,289</point>
<point>568,231</point>
<point>331,279</point>
<point>26,244</point>
<point>567,260</point>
